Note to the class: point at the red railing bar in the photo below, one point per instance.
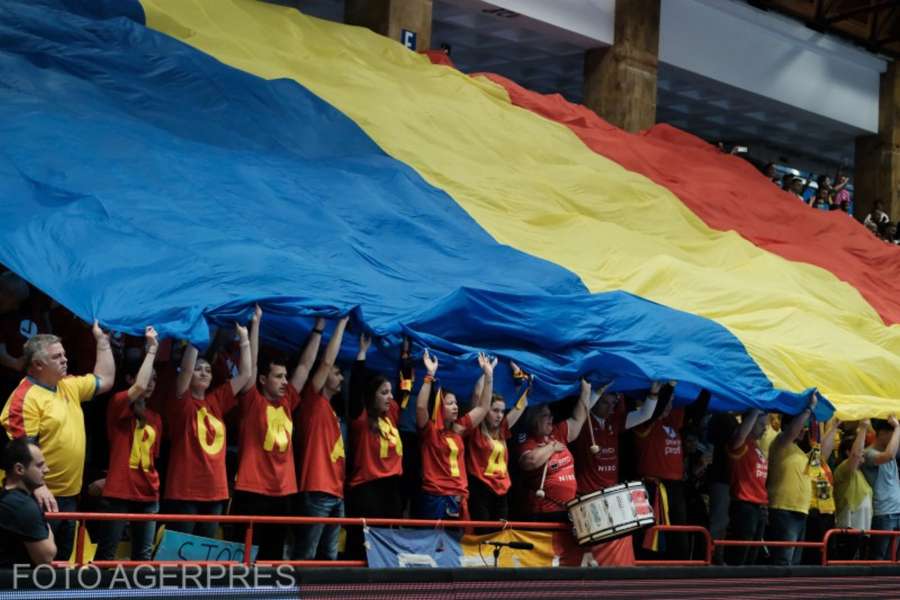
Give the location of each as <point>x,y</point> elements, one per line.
<point>773,543</point>
<point>248,543</point>
<point>375,522</point>
<point>207,563</point>
<point>79,543</point>
<point>671,563</point>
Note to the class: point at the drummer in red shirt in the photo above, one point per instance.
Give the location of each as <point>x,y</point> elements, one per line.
<point>487,457</point>
<point>196,480</point>
<point>660,463</point>
<point>546,462</point>
<point>597,458</point>
<point>266,480</point>
<point>445,487</point>
<point>132,481</point>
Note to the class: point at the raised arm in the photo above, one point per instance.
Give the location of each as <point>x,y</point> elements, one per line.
<point>331,351</point>
<point>188,362</point>
<point>790,434</point>
<point>478,412</point>
<point>643,414</point>
<point>516,412</point>
<point>308,356</point>
<point>255,321</point>
<point>431,367</point>
<point>828,439</point>
<point>142,379</point>
<point>747,423</point>
<point>586,401</point>
<point>239,381</point>
<point>859,444</point>
<point>358,378</point>
<point>105,364</point>
<point>890,451</point>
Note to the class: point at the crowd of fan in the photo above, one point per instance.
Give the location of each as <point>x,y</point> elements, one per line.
<point>245,430</point>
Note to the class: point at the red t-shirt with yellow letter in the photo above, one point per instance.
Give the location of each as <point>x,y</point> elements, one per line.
<point>133,449</point>
<point>320,445</point>
<point>266,455</point>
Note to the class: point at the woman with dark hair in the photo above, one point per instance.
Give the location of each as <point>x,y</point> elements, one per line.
<point>487,460</point>
<point>376,452</point>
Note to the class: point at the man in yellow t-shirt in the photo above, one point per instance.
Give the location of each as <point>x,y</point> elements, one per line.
<point>789,487</point>
<point>46,408</point>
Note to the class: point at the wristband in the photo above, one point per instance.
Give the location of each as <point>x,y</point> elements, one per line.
<point>428,378</point>
<point>319,331</point>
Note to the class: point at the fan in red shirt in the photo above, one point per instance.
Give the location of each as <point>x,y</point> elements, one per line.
<point>196,480</point>
<point>266,478</point>
<point>749,496</point>
<point>597,459</point>
<point>320,455</point>
<point>444,483</point>
<point>132,482</point>
<point>660,463</point>
<point>487,460</point>
<point>545,460</point>
<point>376,450</point>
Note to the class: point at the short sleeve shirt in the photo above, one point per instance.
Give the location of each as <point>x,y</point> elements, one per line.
<point>53,416</point>
<point>320,444</point>
<point>749,471</point>
<point>376,454</point>
<point>884,482</point>
<point>559,486</point>
<point>444,460</point>
<point>487,458</point>
<point>659,447</point>
<point>197,456</point>
<point>266,454</point>
<point>601,470</point>
<point>21,520</point>
<point>133,449</point>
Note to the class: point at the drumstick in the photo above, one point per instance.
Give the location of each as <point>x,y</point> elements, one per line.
<point>541,493</point>
<point>594,447</point>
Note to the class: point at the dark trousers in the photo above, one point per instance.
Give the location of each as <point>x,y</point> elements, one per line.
<point>747,522</point>
<point>64,531</point>
<point>269,537</point>
<point>191,507</point>
<point>816,525</point>
<point>485,505</point>
<point>675,545</point>
<point>379,498</point>
<point>786,526</point>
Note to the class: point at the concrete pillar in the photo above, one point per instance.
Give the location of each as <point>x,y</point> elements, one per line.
<point>391,18</point>
<point>620,81</point>
<point>877,159</point>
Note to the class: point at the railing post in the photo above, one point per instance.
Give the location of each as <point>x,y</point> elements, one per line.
<point>248,542</point>
<point>79,544</point>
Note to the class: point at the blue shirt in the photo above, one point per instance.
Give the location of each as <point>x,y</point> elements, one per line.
<point>884,482</point>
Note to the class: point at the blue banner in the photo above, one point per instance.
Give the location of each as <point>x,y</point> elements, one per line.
<point>391,548</point>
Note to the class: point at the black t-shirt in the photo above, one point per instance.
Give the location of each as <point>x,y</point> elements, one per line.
<point>21,520</point>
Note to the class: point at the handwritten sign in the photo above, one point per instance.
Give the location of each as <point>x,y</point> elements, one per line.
<point>184,546</point>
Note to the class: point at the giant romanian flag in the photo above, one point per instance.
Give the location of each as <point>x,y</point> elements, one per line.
<point>173,162</point>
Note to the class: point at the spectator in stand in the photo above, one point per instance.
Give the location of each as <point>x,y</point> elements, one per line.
<point>132,482</point>
<point>880,469</point>
<point>196,480</point>
<point>819,447</point>
<point>789,487</point>
<point>548,466</point>
<point>321,456</point>
<point>445,487</point>
<point>27,538</point>
<point>842,197</point>
<point>266,478</point>
<point>852,493</point>
<point>20,318</point>
<point>660,464</point>
<point>796,188</point>
<point>721,428</point>
<point>375,486</point>
<point>487,459</point>
<point>771,173</point>
<point>597,456</point>
<point>821,200</point>
<point>877,217</point>
<point>749,501</point>
<point>46,407</point>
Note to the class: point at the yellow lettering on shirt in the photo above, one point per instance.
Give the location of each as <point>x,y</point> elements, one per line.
<point>278,429</point>
<point>389,437</point>
<point>206,424</point>
<point>454,456</point>
<point>141,447</point>
<point>338,450</point>
<point>496,466</point>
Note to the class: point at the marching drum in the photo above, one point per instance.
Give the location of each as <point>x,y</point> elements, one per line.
<point>610,513</point>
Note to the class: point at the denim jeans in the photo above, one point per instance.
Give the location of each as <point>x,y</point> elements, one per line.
<point>319,540</point>
<point>64,531</point>
<point>188,507</point>
<point>786,526</point>
<point>142,532</point>
<point>879,546</point>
